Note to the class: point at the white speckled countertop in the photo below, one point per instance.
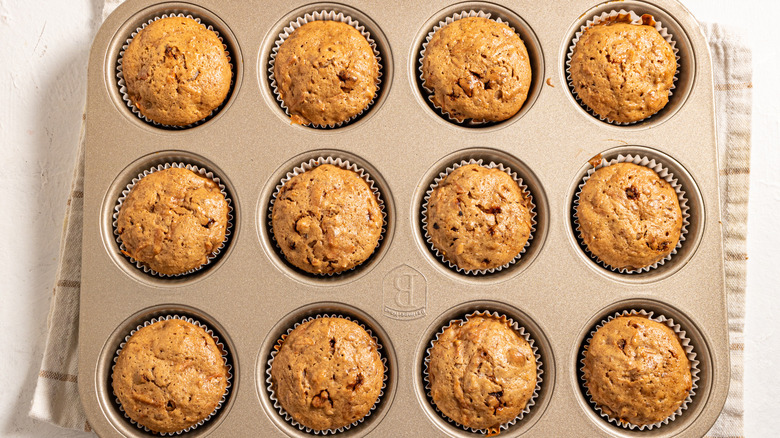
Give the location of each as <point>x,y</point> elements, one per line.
<point>43,54</point>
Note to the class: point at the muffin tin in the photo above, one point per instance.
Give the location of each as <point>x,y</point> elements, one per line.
<point>249,295</point>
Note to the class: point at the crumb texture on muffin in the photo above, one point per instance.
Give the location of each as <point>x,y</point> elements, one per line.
<point>169,376</point>
<point>478,218</point>
<point>629,217</point>
<point>636,370</point>
<point>326,73</point>
<point>173,220</point>
<point>326,220</point>
<point>482,373</point>
<point>176,71</point>
<point>328,373</point>
<point>622,71</point>
<point>477,69</point>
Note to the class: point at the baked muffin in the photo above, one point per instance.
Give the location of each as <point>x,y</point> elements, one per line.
<point>629,217</point>
<point>176,71</point>
<point>482,373</point>
<point>326,73</point>
<point>622,71</point>
<point>173,220</point>
<point>636,370</point>
<point>478,218</point>
<point>169,376</point>
<point>326,220</point>
<point>477,69</point>
<point>328,373</point>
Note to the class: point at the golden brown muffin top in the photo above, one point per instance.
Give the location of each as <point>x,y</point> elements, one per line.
<point>328,373</point>
<point>482,373</point>
<point>623,71</point>
<point>173,220</point>
<point>326,73</point>
<point>326,220</point>
<point>477,69</point>
<point>176,71</point>
<point>629,217</point>
<point>636,370</point>
<point>169,376</point>
<point>478,218</point>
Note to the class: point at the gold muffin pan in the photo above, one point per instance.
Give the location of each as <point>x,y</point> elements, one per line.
<point>250,295</point>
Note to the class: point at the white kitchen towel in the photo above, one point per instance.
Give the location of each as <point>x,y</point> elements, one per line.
<point>56,398</point>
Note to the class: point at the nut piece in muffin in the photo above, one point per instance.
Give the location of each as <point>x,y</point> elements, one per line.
<point>173,220</point>
<point>328,373</point>
<point>482,373</point>
<point>326,220</point>
<point>629,217</point>
<point>169,376</point>
<point>636,370</point>
<point>478,218</point>
<point>326,73</point>
<point>477,69</point>
<point>176,71</point>
<point>623,72</point>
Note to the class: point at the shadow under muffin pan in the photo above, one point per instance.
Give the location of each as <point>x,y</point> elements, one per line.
<point>139,20</point>
<point>403,292</point>
<point>508,17</point>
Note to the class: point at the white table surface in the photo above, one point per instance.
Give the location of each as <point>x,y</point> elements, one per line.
<point>43,55</point>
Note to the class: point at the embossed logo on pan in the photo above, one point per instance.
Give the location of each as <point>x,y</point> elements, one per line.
<point>405,294</point>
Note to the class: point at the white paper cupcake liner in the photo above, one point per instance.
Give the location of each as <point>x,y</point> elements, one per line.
<point>323,15</point>
<point>198,170</point>
<point>441,177</point>
<point>441,24</point>
<point>343,164</point>
<point>610,16</point>
<point>684,341</point>
<point>521,331</point>
<point>120,77</point>
<point>270,384</point>
<point>664,174</point>
<point>217,341</point>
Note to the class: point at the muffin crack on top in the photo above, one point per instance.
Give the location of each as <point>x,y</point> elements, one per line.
<point>628,216</point>
<point>481,372</point>
<point>636,370</point>
<point>623,72</point>
<point>477,69</point>
<point>170,375</point>
<point>176,71</point>
<point>326,73</point>
<point>173,220</point>
<point>478,218</point>
<point>327,373</point>
<point>327,220</point>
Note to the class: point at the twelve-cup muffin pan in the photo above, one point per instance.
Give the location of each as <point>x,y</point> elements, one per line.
<point>249,296</point>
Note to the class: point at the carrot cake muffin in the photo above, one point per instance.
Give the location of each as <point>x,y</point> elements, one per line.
<point>622,71</point>
<point>629,217</point>
<point>482,373</point>
<point>176,71</point>
<point>173,220</point>
<point>169,376</point>
<point>478,218</point>
<point>636,370</point>
<point>477,69</point>
<point>328,373</point>
<point>326,220</point>
<point>326,73</point>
